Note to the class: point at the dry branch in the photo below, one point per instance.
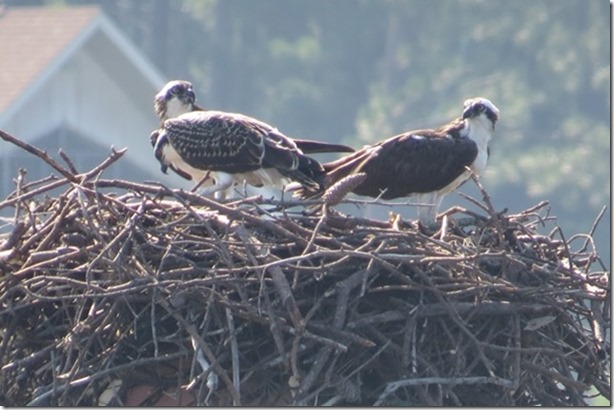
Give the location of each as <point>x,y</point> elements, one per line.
<point>112,284</point>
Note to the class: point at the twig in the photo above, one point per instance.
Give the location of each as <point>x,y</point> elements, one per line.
<point>567,381</point>
<point>394,386</point>
<point>113,157</point>
<point>33,193</point>
<point>489,206</point>
<point>40,154</point>
<point>68,161</point>
<point>206,349</point>
<point>119,274</point>
<point>287,299</point>
<point>234,352</point>
<point>593,228</point>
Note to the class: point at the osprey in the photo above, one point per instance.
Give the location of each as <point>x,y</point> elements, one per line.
<point>227,149</point>
<point>427,164</point>
<point>223,149</point>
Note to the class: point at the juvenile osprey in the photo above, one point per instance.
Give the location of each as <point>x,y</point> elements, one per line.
<point>427,164</point>
<point>177,97</point>
<point>224,149</point>
<point>227,149</point>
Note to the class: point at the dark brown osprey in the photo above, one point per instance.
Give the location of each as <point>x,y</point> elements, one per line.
<point>228,148</point>
<point>427,164</point>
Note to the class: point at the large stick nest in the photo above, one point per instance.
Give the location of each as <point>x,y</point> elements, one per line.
<point>111,286</point>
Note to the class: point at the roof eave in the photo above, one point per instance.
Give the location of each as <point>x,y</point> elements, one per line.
<point>99,23</point>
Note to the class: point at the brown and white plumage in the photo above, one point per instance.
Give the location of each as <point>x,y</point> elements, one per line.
<point>177,97</point>
<point>232,149</point>
<point>427,164</point>
<point>228,148</point>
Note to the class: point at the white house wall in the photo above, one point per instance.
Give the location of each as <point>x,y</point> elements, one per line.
<point>105,113</point>
<point>83,97</point>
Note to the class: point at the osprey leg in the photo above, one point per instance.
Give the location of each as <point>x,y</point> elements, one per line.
<point>223,181</point>
<point>427,213</point>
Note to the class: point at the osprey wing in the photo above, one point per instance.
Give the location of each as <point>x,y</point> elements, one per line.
<point>317,147</point>
<point>235,143</point>
<point>211,140</point>
<point>414,162</point>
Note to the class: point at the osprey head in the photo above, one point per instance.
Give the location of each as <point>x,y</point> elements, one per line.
<point>474,107</point>
<point>174,99</point>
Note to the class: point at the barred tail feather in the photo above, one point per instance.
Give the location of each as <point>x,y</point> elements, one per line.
<point>315,147</point>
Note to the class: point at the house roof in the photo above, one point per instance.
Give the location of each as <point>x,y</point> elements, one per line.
<point>32,38</point>
<point>37,40</point>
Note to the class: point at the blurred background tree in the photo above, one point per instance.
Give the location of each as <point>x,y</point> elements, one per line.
<point>360,71</point>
